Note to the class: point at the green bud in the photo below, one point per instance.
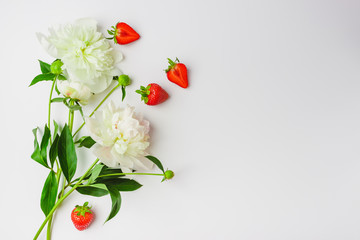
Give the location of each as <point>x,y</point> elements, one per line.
<point>124,80</point>
<point>169,174</point>
<point>56,67</point>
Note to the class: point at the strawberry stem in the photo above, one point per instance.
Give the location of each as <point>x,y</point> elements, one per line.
<point>144,92</point>
<point>81,210</point>
<point>172,64</point>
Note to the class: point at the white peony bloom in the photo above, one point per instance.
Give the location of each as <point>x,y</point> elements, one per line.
<point>121,138</point>
<point>74,90</point>
<point>87,56</point>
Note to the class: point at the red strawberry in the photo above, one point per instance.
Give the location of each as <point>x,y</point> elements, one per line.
<point>177,73</point>
<point>82,216</point>
<point>123,33</point>
<point>153,94</point>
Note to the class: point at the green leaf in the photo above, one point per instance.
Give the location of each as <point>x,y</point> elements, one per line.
<point>48,195</point>
<point>123,93</point>
<point>106,170</point>
<point>121,184</point>
<point>36,155</point>
<point>67,153</point>
<point>45,67</point>
<point>61,77</point>
<point>59,99</point>
<point>56,127</point>
<point>54,150</point>
<point>81,111</point>
<point>115,200</point>
<point>75,107</point>
<point>43,77</point>
<point>85,141</point>
<point>56,89</point>
<point>92,190</point>
<point>95,173</point>
<point>71,107</point>
<point>45,143</point>
<point>156,162</point>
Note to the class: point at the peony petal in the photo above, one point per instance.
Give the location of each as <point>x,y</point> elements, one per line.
<point>93,126</point>
<point>116,72</point>
<point>87,22</point>
<point>122,137</point>
<point>143,163</point>
<point>99,84</point>
<point>117,56</point>
<point>105,156</point>
<point>126,170</point>
<point>49,48</point>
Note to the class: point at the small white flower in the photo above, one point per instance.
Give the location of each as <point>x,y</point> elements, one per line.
<point>74,90</point>
<point>121,138</point>
<point>87,56</point>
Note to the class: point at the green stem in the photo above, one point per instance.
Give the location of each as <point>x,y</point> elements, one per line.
<point>48,231</point>
<point>49,113</point>
<point>134,173</point>
<point>62,199</point>
<point>71,123</point>
<point>48,235</point>
<point>49,107</point>
<point>121,174</point>
<point>71,116</point>
<point>106,97</point>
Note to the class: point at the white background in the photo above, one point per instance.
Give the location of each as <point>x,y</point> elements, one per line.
<point>264,142</point>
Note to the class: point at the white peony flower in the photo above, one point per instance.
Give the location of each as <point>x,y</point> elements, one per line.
<point>74,90</point>
<point>121,138</point>
<point>87,56</point>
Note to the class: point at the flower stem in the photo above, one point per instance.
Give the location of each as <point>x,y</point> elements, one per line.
<point>71,116</point>
<point>102,101</point>
<point>70,123</point>
<point>62,199</point>
<point>48,232</point>
<point>48,235</point>
<point>49,108</point>
<point>133,173</point>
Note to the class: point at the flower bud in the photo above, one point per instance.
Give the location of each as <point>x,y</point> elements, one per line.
<point>75,90</point>
<point>169,174</point>
<point>55,67</point>
<point>124,80</point>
